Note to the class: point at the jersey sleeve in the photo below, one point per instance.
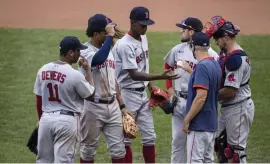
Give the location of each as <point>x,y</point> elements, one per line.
<point>128,56</point>
<point>233,78</point>
<point>170,57</point>
<point>82,87</point>
<point>201,77</point>
<point>213,53</point>
<point>37,86</point>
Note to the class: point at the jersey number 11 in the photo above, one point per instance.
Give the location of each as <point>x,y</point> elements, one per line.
<point>52,96</point>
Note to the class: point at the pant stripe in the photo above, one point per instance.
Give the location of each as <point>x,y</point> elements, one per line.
<point>192,148</point>
<point>77,132</point>
<point>240,124</point>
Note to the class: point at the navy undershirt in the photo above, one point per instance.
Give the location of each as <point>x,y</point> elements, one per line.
<point>103,53</point>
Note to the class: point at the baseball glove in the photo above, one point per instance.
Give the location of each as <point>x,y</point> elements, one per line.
<point>118,33</point>
<point>130,126</point>
<point>33,140</point>
<point>162,99</point>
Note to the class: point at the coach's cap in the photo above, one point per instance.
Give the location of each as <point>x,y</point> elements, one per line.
<point>141,15</point>
<point>98,22</point>
<point>200,39</point>
<point>191,23</point>
<point>71,43</point>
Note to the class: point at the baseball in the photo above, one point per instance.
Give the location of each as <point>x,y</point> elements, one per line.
<point>179,63</point>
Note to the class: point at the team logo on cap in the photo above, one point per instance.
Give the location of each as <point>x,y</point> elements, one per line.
<point>147,15</point>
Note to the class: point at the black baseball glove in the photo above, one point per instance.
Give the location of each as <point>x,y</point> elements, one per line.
<point>33,140</point>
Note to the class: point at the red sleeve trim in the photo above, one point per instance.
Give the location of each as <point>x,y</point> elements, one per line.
<point>168,82</point>
<point>39,106</point>
<point>200,86</point>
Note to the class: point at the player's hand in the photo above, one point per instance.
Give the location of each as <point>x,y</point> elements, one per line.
<point>171,92</point>
<point>169,75</point>
<point>125,111</point>
<point>185,126</point>
<point>110,29</point>
<point>184,65</point>
<point>84,63</point>
<point>152,87</point>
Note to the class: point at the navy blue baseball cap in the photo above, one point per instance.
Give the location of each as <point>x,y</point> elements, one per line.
<point>98,22</point>
<point>191,23</point>
<point>200,39</point>
<point>71,43</point>
<point>141,15</point>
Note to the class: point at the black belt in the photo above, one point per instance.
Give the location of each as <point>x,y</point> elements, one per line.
<point>66,112</point>
<point>226,105</point>
<point>103,101</point>
<point>180,94</point>
<point>136,89</point>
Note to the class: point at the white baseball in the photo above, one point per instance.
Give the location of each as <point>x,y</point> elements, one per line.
<point>179,63</point>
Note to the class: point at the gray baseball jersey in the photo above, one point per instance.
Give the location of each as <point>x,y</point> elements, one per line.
<point>238,118</point>
<point>237,78</point>
<point>183,52</point>
<point>130,53</point>
<point>61,88</point>
<point>103,75</point>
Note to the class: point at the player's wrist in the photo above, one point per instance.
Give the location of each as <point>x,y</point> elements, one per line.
<point>87,69</point>
<point>110,34</point>
<point>122,106</point>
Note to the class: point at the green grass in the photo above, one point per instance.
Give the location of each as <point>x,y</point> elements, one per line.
<point>24,51</point>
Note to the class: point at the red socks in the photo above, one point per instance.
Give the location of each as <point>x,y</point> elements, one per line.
<point>84,161</point>
<point>149,154</point>
<point>128,154</point>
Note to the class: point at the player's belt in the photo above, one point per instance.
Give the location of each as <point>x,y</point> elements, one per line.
<point>226,105</point>
<point>181,94</point>
<point>136,89</point>
<point>96,100</point>
<point>66,112</point>
<point>63,112</point>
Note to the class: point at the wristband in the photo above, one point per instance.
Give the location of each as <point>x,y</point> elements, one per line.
<point>122,106</point>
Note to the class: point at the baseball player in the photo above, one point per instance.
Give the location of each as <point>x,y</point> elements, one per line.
<point>102,113</point>
<point>237,107</point>
<point>60,91</point>
<point>201,120</point>
<point>182,52</point>
<point>132,71</point>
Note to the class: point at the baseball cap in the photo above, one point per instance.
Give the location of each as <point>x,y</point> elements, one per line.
<point>71,43</point>
<point>98,22</point>
<point>141,15</point>
<point>191,23</point>
<point>200,39</point>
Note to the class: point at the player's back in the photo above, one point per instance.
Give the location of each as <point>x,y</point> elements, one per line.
<point>58,84</point>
